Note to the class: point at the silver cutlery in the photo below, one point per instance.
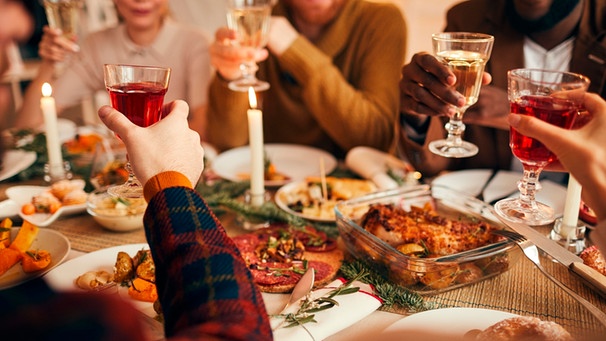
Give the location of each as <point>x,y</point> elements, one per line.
<point>302,288</point>
<point>531,252</point>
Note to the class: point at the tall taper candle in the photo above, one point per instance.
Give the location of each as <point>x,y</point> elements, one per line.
<point>53,145</point>
<point>255,140</point>
<point>571,207</point>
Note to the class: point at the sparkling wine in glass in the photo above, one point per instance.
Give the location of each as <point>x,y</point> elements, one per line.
<point>138,93</point>
<point>466,55</point>
<point>554,97</point>
<point>64,15</point>
<point>250,19</point>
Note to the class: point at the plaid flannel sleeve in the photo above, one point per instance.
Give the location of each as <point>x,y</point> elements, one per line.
<point>205,288</point>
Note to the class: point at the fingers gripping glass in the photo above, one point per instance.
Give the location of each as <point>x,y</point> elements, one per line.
<point>138,93</point>
<point>554,97</point>
<point>466,55</point>
<point>250,19</point>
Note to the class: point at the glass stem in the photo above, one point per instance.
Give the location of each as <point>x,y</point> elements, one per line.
<point>528,185</point>
<point>455,128</point>
<point>249,69</point>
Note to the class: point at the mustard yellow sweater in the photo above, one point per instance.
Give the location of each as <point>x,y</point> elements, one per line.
<point>336,93</point>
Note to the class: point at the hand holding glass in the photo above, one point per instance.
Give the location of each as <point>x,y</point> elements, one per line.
<point>138,93</point>
<point>250,19</point>
<point>466,55</point>
<point>552,96</point>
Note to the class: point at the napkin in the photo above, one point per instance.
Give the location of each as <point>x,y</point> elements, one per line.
<point>351,309</point>
<point>373,165</point>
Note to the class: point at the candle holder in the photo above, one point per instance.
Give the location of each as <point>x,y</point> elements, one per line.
<point>570,237</point>
<point>248,222</point>
<point>58,173</point>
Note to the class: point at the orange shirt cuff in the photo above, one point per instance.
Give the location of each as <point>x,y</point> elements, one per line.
<point>164,180</point>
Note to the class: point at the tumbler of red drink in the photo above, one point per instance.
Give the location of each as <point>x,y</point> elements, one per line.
<point>554,97</point>
<point>138,93</point>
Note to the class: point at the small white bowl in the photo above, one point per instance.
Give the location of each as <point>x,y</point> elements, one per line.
<point>116,214</point>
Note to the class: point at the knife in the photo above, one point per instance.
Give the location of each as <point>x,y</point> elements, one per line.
<point>302,288</point>
<point>574,263</point>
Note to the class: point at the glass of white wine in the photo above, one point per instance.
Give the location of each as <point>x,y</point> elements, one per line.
<point>250,19</point>
<point>466,55</point>
<point>64,15</point>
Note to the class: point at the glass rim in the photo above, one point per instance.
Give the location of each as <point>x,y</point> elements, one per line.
<point>134,66</point>
<point>522,72</point>
<point>463,36</point>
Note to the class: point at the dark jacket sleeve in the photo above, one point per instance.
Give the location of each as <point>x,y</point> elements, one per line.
<point>205,289</point>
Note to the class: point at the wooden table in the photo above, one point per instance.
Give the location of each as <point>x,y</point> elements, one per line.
<point>521,290</point>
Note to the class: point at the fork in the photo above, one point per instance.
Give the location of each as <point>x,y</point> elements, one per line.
<point>531,252</point>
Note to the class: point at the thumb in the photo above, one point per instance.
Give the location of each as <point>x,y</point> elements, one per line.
<point>115,120</point>
<point>550,135</point>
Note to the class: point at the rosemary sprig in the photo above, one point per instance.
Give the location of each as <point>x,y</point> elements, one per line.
<point>391,294</point>
<point>308,306</point>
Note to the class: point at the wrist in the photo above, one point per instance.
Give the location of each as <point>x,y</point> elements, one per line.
<point>415,127</point>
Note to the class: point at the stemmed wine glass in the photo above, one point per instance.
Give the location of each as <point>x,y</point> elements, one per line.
<point>552,96</point>
<point>250,19</point>
<point>138,93</point>
<point>466,55</point>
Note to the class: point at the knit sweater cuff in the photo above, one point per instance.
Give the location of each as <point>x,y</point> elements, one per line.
<point>164,180</point>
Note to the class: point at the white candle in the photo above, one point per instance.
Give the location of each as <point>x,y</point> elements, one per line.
<point>53,146</point>
<point>571,207</point>
<point>255,141</point>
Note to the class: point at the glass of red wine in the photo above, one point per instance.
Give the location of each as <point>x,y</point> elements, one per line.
<point>138,93</point>
<point>554,97</point>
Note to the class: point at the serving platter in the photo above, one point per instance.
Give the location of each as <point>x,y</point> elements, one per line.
<point>15,161</point>
<point>295,161</point>
<point>52,241</point>
<point>22,195</point>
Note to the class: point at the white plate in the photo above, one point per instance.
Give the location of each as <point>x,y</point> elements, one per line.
<point>63,277</point>
<point>294,161</point>
<point>52,241</point>
<point>281,199</point>
<point>15,161</point>
<point>9,209</point>
<point>22,195</point>
<point>442,324</point>
<point>505,182</point>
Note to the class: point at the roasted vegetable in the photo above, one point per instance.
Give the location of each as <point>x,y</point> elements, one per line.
<point>35,260</point>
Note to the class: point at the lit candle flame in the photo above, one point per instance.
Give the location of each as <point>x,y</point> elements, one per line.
<point>47,90</point>
<point>252,98</point>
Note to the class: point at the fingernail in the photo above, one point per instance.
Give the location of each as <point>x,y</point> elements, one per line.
<point>75,47</point>
<point>451,80</point>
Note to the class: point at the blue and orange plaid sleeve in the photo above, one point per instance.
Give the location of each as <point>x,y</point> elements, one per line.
<point>204,286</point>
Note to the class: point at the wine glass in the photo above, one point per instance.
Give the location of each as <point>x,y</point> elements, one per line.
<point>250,19</point>
<point>138,93</point>
<point>466,55</point>
<point>64,15</point>
<point>554,97</point>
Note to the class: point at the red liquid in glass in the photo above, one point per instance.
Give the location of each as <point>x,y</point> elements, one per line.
<point>557,111</point>
<point>140,102</point>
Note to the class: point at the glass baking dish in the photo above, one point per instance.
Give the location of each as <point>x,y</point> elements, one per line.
<point>426,275</point>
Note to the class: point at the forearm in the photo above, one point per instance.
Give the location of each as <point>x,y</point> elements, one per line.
<point>30,114</point>
<point>353,112</point>
<point>187,243</point>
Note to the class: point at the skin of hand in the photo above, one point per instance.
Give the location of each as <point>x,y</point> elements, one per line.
<point>426,87</point>
<point>183,153</point>
<point>491,109</point>
<point>281,35</point>
<point>54,47</point>
<point>580,151</point>
<point>226,56</point>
